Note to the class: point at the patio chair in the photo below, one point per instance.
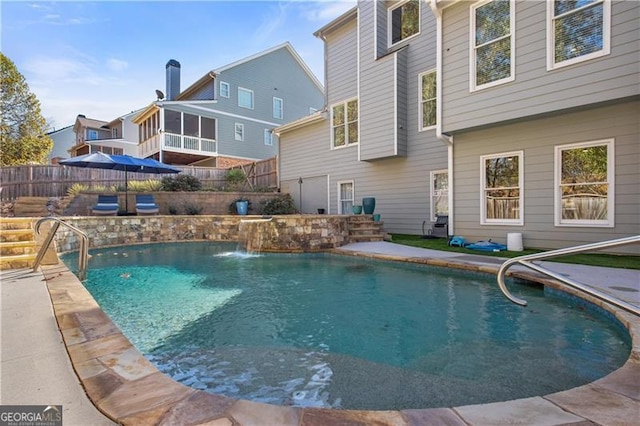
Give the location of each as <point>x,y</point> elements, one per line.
<point>107,206</point>
<point>439,229</point>
<point>145,204</point>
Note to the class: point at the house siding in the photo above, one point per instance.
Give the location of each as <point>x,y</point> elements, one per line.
<point>535,90</point>
<point>342,52</point>
<point>537,139</point>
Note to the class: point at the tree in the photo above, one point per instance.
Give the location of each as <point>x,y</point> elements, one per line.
<point>23,138</point>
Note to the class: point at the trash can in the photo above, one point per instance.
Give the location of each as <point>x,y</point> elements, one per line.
<point>514,241</point>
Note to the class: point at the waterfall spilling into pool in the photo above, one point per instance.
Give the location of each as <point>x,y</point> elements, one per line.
<point>253,232</point>
<point>333,331</point>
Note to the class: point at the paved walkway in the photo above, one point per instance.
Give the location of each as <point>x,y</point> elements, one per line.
<point>35,365</point>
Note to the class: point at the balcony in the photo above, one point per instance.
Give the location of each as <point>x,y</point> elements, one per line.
<point>178,143</point>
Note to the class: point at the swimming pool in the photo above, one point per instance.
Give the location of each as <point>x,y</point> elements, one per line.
<point>274,328</point>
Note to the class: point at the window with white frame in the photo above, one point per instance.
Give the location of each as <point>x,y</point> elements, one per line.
<point>501,182</point>
<point>344,123</point>
<point>345,197</point>
<point>428,104</point>
<point>403,20</point>
<point>584,184</point>
<point>239,131</point>
<point>278,108</point>
<point>439,193</point>
<point>245,98</point>
<point>268,137</point>
<point>577,31</point>
<point>224,89</point>
<point>492,43</point>
<point>92,135</point>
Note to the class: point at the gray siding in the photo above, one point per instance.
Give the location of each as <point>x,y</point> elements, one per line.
<point>342,54</point>
<point>537,139</point>
<point>536,90</point>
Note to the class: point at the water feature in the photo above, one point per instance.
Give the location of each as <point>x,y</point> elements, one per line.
<point>253,232</point>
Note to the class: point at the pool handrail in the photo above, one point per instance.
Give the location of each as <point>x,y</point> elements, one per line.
<point>525,261</point>
<point>83,253</point>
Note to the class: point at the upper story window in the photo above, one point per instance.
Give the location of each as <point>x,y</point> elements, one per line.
<point>224,89</point>
<point>179,123</point>
<point>114,133</point>
<point>92,135</point>
<point>403,21</point>
<point>278,108</point>
<point>493,43</point>
<point>344,123</point>
<point>584,184</point>
<point>268,137</point>
<point>428,104</point>
<point>239,131</point>
<point>502,189</point>
<point>577,31</point>
<point>245,98</point>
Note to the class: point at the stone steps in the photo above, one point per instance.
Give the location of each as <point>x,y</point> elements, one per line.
<point>362,228</point>
<point>17,243</point>
<point>39,206</point>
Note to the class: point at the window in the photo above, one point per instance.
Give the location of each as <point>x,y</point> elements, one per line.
<point>268,137</point>
<point>92,135</point>
<point>207,128</point>
<point>502,194</point>
<point>492,44</point>
<point>577,31</point>
<point>428,102</point>
<point>439,193</point>
<point>114,133</point>
<point>404,21</point>
<point>344,123</point>
<point>584,184</point>
<point>245,98</point>
<point>278,108</point>
<point>239,132</point>
<point>345,197</point>
<point>191,125</point>
<point>224,89</point>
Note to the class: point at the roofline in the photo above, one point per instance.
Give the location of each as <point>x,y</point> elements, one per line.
<point>123,116</point>
<point>338,22</point>
<point>211,75</point>
<point>61,129</point>
<point>145,112</point>
<point>316,117</point>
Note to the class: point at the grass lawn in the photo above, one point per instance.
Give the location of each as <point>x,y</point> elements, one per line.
<point>594,259</point>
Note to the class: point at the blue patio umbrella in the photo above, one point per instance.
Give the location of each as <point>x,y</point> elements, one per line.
<point>100,160</point>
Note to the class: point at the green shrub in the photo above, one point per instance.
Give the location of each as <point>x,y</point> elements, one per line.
<point>77,188</point>
<point>281,205</point>
<point>173,210</point>
<point>181,183</point>
<point>149,185</point>
<point>192,209</point>
<point>236,179</point>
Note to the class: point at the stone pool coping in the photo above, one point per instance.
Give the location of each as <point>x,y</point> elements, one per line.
<point>128,389</point>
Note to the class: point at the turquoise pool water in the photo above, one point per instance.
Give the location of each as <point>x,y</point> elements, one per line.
<point>342,332</point>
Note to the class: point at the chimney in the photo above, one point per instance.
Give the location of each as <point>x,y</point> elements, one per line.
<point>173,79</point>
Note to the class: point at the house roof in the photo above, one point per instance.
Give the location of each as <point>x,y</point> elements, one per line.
<point>60,130</point>
<point>196,86</point>
<point>90,123</point>
<point>124,116</point>
<point>301,122</point>
<point>337,23</point>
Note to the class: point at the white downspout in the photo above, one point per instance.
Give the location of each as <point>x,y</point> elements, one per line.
<point>447,139</point>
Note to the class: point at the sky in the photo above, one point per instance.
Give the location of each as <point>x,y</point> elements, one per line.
<point>105,59</point>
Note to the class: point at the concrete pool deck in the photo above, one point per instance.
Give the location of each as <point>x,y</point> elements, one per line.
<point>58,347</point>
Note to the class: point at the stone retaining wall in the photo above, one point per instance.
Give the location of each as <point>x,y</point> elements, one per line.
<point>291,233</point>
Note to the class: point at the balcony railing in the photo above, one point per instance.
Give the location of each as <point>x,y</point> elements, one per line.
<point>178,143</point>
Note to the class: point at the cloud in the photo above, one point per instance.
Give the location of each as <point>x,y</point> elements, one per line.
<point>273,21</point>
<point>325,11</point>
<point>116,64</point>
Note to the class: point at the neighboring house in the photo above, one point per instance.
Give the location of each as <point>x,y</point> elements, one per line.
<point>227,116</point>
<point>63,139</point>
<point>525,113</point>
<point>119,136</point>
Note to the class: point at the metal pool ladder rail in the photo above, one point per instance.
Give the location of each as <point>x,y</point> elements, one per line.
<point>83,253</point>
<point>524,260</point>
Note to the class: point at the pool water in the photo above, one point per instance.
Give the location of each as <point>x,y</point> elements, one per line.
<point>342,332</point>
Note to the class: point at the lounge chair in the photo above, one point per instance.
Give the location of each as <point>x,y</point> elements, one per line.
<point>440,228</point>
<point>107,206</point>
<point>145,204</point>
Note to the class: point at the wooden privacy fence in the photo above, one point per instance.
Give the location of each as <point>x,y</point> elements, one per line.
<point>55,180</point>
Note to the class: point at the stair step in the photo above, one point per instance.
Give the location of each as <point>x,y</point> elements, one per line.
<point>14,235</point>
<point>7,223</point>
<point>17,261</point>
<point>17,247</point>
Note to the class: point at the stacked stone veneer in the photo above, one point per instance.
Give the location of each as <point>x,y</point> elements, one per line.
<point>292,233</point>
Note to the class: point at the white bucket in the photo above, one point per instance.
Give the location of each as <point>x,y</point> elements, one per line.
<point>514,241</point>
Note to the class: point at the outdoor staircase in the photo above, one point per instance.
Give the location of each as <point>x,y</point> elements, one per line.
<point>362,228</point>
<point>17,243</point>
<point>40,206</point>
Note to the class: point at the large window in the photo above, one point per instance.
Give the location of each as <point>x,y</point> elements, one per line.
<point>492,43</point>
<point>268,137</point>
<point>428,102</point>
<point>584,184</point>
<point>439,193</point>
<point>224,89</point>
<point>245,98</point>
<point>186,124</point>
<point>344,123</point>
<point>345,197</point>
<point>577,31</point>
<point>403,20</point>
<point>239,132</point>
<point>502,189</point>
<point>278,108</point>
<point>92,135</point>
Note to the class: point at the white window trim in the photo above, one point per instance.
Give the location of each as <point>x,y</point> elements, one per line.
<point>224,83</point>
<point>472,48</point>
<point>389,23</point>
<point>252,97</point>
<point>483,205</point>
<point>606,37</point>
<point>420,109</point>
<point>557,202</point>
<point>268,136</point>
<point>281,109</point>
<point>235,131</point>
<point>432,176</point>
<point>346,124</point>
<point>353,193</point>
